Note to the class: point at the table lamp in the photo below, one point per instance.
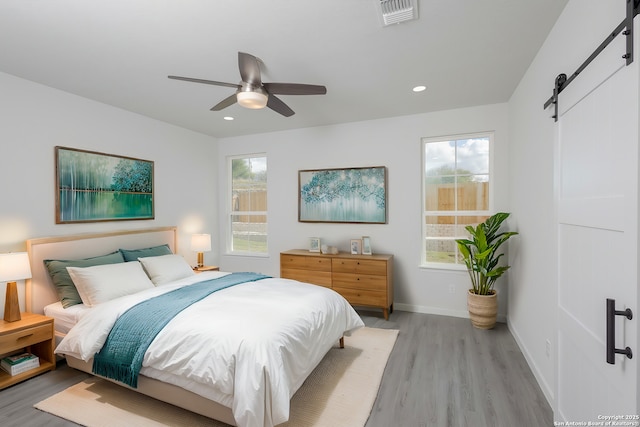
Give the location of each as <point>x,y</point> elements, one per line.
<point>201,243</point>
<point>13,266</point>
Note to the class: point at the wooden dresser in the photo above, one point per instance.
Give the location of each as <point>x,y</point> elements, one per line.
<point>363,280</point>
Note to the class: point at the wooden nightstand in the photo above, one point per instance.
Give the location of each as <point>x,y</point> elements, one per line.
<point>206,268</point>
<point>33,333</point>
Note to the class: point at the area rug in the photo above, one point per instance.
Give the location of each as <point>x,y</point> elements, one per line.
<point>340,392</point>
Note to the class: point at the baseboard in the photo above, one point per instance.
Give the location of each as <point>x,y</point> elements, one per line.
<point>440,311</point>
<point>544,386</point>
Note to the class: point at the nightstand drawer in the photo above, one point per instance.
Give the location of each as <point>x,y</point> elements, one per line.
<point>25,337</point>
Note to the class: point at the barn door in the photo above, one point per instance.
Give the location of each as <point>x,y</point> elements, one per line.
<point>597,226</point>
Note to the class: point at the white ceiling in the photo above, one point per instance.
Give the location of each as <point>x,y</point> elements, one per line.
<point>119,52</point>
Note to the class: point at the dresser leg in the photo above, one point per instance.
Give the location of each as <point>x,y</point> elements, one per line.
<point>341,342</point>
<point>385,311</point>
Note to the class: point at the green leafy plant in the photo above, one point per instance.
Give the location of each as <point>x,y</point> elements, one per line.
<point>481,255</point>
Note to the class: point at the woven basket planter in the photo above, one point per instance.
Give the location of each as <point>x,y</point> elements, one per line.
<point>483,309</point>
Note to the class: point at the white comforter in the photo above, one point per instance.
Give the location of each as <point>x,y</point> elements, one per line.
<point>249,347</point>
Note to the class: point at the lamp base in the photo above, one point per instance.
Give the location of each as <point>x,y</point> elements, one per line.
<point>11,304</point>
<point>200,259</point>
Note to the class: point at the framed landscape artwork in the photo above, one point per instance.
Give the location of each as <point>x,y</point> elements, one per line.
<point>93,187</point>
<point>353,195</point>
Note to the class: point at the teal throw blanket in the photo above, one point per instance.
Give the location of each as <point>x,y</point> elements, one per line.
<point>121,356</point>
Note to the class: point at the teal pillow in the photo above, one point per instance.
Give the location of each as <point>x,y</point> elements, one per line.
<point>134,254</point>
<point>62,281</point>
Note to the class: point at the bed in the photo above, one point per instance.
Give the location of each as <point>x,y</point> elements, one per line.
<point>236,355</point>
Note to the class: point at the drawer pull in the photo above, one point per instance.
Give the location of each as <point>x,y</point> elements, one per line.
<point>25,336</point>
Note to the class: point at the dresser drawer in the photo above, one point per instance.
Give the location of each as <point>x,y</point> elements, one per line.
<point>25,337</point>
<point>321,278</point>
<point>373,267</point>
<point>359,281</point>
<point>363,297</point>
<point>300,262</point>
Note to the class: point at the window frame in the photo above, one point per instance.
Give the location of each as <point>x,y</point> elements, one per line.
<point>455,213</point>
<point>230,213</point>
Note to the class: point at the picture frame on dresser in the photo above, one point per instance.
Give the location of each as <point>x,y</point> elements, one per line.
<point>356,246</point>
<point>314,244</point>
<point>366,245</point>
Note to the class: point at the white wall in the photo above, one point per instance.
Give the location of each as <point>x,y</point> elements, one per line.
<point>35,118</point>
<point>583,25</point>
<point>394,143</point>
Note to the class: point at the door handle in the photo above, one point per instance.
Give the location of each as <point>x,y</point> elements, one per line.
<point>611,331</point>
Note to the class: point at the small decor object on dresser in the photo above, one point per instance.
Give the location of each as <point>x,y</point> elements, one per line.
<point>366,245</point>
<point>355,246</point>
<point>19,363</point>
<point>314,244</point>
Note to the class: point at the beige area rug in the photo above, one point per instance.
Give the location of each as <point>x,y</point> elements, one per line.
<point>340,392</point>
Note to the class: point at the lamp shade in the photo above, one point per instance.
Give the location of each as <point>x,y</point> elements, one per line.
<point>14,266</point>
<point>201,242</point>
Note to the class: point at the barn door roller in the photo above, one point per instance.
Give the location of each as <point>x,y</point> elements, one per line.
<point>562,81</point>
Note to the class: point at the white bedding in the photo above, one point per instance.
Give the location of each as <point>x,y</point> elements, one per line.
<point>249,347</point>
<point>65,318</point>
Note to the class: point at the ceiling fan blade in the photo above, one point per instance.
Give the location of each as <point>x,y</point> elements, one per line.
<point>249,69</point>
<point>209,82</point>
<point>294,89</point>
<point>225,103</point>
<point>278,106</point>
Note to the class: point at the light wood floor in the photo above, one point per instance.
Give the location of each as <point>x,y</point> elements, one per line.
<point>442,372</point>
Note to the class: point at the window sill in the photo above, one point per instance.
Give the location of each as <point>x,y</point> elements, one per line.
<point>442,266</point>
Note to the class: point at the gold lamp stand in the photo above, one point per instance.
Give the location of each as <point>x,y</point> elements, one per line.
<point>11,304</point>
<point>200,259</point>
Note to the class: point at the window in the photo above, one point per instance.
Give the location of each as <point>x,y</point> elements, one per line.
<point>456,190</point>
<point>248,205</point>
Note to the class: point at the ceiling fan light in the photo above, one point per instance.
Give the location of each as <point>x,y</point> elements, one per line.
<point>252,100</point>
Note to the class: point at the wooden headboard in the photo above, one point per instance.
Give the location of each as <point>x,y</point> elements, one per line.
<point>40,290</point>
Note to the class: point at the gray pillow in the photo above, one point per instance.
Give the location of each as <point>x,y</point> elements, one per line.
<point>61,279</point>
<point>134,254</point>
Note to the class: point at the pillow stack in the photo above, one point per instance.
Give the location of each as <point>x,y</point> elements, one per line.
<point>92,281</point>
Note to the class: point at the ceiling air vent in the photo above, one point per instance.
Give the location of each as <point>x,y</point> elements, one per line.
<point>396,11</point>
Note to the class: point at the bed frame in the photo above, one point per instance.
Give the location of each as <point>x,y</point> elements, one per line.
<point>40,292</point>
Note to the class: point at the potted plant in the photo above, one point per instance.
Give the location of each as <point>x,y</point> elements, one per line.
<point>481,256</point>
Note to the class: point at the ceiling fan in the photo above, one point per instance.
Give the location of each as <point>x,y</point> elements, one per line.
<point>253,93</point>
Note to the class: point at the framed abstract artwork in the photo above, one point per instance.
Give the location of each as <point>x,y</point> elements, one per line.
<point>353,195</point>
<point>92,186</point>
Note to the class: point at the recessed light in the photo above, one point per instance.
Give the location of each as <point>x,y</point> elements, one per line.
<point>419,88</point>
<point>228,118</point>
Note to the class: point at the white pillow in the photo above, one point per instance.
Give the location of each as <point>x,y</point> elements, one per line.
<point>102,283</point>
<point>164,269</point>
